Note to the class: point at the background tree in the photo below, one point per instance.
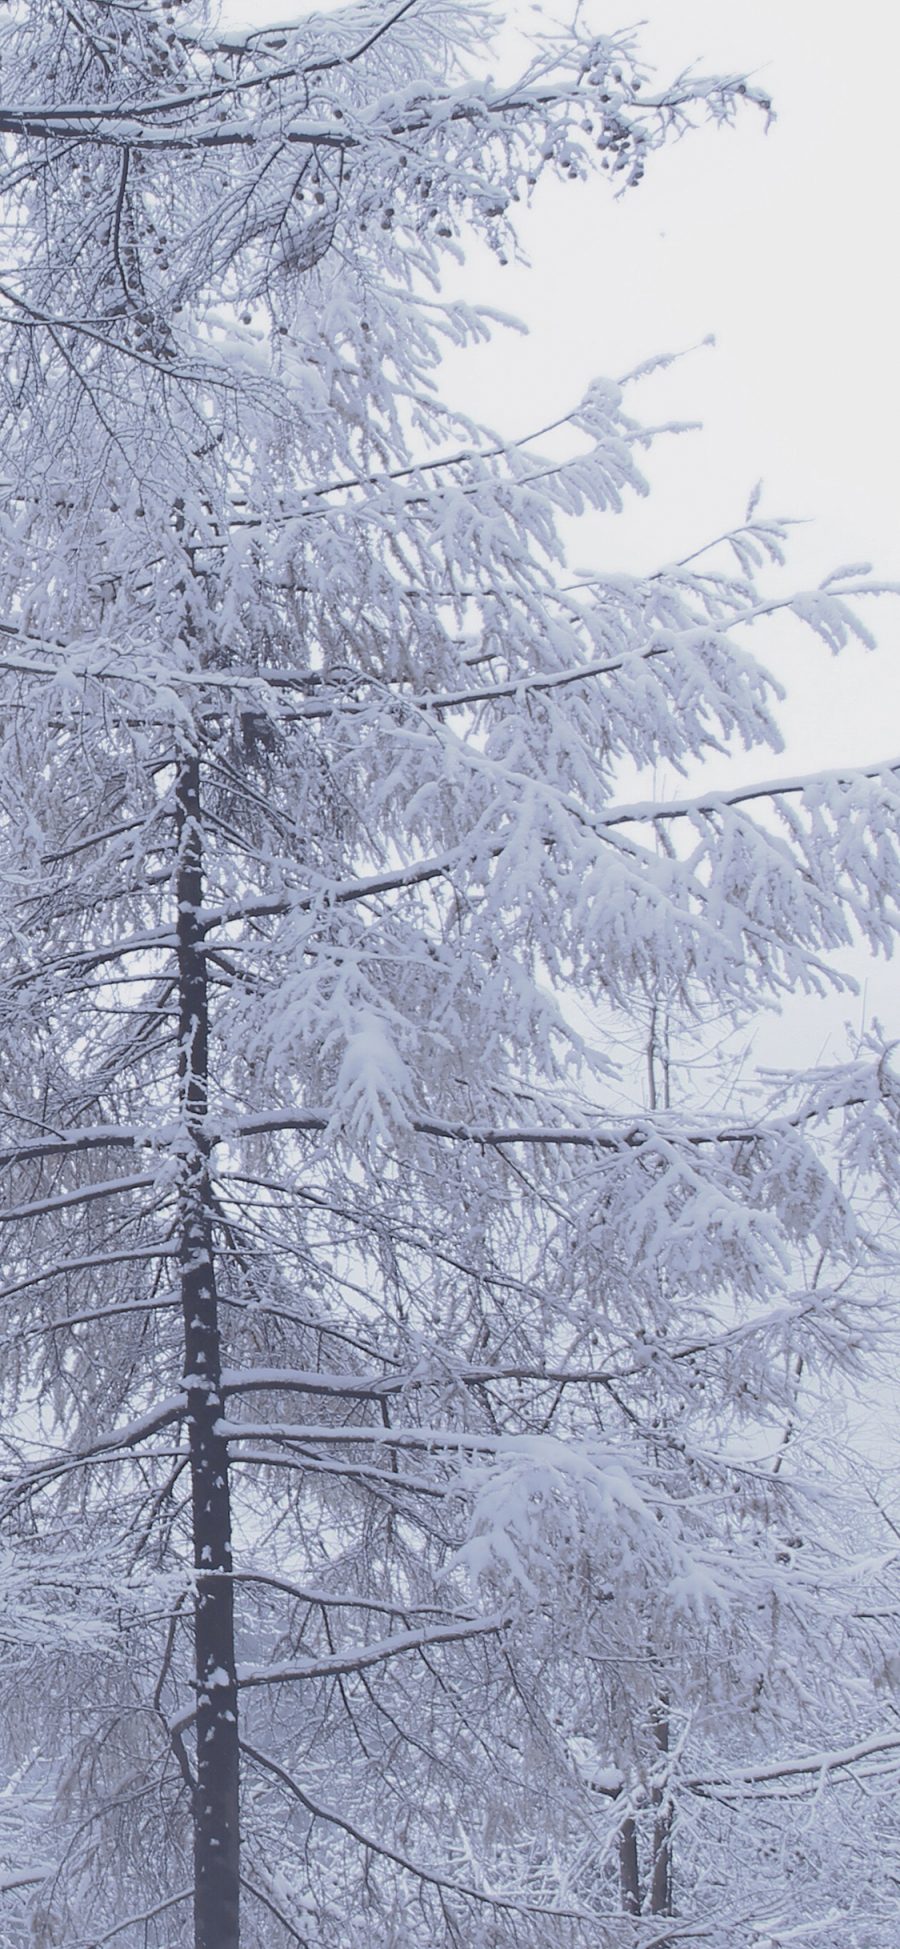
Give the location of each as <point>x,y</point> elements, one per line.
<point>390,1371</point>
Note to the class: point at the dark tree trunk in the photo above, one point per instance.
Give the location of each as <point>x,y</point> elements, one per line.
<point>661,1877</point>
<point>629,1877</point>
<point>216,1826</point>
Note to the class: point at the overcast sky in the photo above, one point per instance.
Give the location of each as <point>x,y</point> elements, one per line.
<point>782,245</point>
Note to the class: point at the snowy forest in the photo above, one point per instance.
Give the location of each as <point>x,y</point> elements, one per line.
<point>429,1517</point>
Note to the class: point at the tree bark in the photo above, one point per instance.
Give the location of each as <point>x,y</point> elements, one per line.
<point>661,1893</point>
<point>216,1795</point>
<point>629,1876</point>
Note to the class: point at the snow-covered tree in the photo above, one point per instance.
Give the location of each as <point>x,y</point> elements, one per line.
<point>400,1385</point>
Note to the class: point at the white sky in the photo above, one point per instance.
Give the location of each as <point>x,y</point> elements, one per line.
<point>783,246</point>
